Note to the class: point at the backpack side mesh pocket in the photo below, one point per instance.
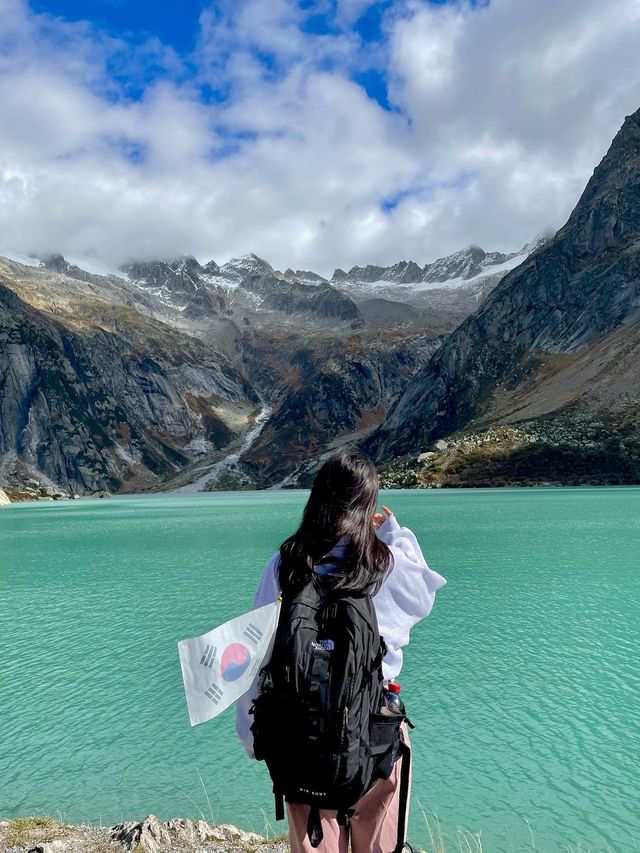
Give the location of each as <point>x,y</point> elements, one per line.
<point>385,738</point>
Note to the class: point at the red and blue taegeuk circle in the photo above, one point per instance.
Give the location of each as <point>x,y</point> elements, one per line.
<point>235,660</point>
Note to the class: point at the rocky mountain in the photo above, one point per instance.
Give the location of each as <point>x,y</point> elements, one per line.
<point>553,349</point>
<point>441,293</point>
<point>335,395</point>
<point>165,371</point>
<point>89,406</point>
<point>452,269</point>
<point>325,383</point>
<point>450,284</point>
<point>186,285</point>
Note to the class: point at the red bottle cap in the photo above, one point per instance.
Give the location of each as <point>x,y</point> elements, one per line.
<point>393,687</point>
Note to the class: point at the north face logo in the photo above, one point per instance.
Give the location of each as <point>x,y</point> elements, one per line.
<point>323,645</point>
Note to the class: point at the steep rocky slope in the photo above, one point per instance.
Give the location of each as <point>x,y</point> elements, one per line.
<point>335,395</point>
<point>91,409</point>
<point>555,341</point>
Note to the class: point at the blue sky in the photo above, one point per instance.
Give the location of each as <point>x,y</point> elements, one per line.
<point>176,25</point>
<point>317,133</point>
<point>173,23</point>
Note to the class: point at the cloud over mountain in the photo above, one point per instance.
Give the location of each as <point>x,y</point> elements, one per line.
<point>315,134</point>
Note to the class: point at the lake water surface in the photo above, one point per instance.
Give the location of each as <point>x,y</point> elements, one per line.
<point>524,682</point>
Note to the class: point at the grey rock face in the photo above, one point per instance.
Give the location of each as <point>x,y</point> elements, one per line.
<point>91,409</point>
<point>344,394</point>
<point>564,297</point>
<point>465,264</point>
<point>178,276</point>
<point>247,265</point>
<point>405,272</point>
<point>154,836</point>
<point>293,297</point>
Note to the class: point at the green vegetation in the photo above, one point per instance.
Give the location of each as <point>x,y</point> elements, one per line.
<point>569,450</point>
<point>31,830</point>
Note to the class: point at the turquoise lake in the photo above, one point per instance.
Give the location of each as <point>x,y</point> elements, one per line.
<point>523,683</point>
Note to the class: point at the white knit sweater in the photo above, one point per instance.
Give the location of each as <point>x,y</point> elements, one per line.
<point>405,597</point>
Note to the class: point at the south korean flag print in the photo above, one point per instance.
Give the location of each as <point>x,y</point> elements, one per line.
<point>219,666</point>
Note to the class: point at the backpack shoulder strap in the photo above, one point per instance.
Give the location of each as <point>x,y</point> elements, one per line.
<point>314,827</point>
<point>364,606</point>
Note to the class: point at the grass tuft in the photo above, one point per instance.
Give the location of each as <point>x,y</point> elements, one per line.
<point>30,830</point>
<point>466,840</point>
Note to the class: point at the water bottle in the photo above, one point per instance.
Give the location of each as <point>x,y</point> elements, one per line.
<point>393,704</point>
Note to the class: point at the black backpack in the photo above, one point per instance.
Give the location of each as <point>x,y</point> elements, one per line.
<point>316,716</point>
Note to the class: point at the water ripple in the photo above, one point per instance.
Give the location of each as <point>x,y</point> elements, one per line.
<point>523,683</point>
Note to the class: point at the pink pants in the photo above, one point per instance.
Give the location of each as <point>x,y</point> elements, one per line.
<point>374,825</point>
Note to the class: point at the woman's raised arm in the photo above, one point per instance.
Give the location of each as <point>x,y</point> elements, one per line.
<point>407,594</point>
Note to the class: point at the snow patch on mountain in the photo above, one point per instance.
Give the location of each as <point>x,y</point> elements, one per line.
<point>239,268</point>
<point>468,268</point>
<point>470,281</point>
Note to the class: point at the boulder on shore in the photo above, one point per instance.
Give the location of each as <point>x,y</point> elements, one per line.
<point>4,498</point>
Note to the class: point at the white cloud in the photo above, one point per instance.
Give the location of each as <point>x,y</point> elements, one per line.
<point>500,115</point>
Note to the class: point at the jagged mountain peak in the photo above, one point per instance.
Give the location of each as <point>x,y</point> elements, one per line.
<point>180,264</point>
<point>309,275</point>
<point>246,265</point>
<point>172,282</point>
<point>304,276</point>
<point>404,272</point>
<point>455,269</point>
<point>186,264</point>
<point>55,262</point>
<point>465,263</point>
<point>608,210</point>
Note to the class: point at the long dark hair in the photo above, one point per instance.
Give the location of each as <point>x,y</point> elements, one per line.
<point>342,502</point>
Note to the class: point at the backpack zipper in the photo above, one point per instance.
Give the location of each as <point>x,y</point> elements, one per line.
<point>345,726</point>
<point>345,712</point>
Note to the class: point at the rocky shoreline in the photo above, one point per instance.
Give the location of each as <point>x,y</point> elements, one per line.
<point>569,451</point>
<point>151,835</point>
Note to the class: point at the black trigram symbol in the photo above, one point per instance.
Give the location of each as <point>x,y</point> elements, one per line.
<point>252,633</point>
<point>214,693</point>
<point>208,656</point>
